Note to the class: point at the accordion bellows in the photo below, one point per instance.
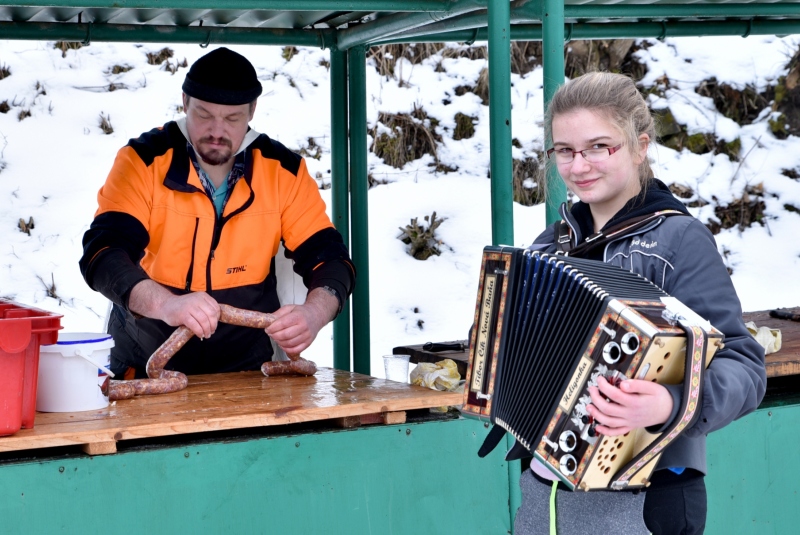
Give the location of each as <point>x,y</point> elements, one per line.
<point>546,327</point>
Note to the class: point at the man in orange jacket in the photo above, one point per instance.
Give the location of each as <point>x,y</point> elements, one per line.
<point>192,214</point>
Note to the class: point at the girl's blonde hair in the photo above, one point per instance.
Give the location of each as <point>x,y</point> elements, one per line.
<point>614,96</point>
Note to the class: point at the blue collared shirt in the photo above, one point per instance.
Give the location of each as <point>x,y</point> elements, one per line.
<point>219,196</point>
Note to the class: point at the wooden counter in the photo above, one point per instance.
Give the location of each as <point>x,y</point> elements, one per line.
<point>274,461</point>
<point>784,362</point>
<point>232,401</point>
<point>787,360</point>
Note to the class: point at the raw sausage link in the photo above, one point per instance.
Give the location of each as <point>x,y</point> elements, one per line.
<point>120,390</point>
<point>163,381</point>
<point>300,366</point>
<point>159,359</point>
<point>245,318</point>
<point>169,381</point>
<point>250,318</point>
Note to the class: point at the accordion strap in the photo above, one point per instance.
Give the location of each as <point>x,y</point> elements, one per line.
<point>496,434</point>
<point>694,373</point>
<point>563,232</point>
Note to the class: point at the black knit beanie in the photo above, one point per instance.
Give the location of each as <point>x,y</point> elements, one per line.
<point>222,77</point>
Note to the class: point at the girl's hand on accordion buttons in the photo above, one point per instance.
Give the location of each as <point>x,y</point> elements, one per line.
<point>634,404</point>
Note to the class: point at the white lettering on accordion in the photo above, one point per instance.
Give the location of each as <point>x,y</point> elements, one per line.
<point>575,385</point>
<point>482,348</point>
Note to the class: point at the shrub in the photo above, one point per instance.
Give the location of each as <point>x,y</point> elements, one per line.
<point>421,238</point>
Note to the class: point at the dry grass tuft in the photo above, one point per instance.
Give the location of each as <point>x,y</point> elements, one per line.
<point>422,238</point>
<point>157,58</point>
<point>688,196</point>
<point>465,126</point>
<point>105,124</point>
<point>172,68</point>
<point>5,71</point>
<point>66,46</point>
<point>26,226</point>
<point>50,288</point>
<point>288,52</point>
<point>525,185</point>
<point>119,69</point>
<point>742,212</point>
<point>596,55</point>
<point>312,150</point>
<point>741,105</point>
<point>411,136</point>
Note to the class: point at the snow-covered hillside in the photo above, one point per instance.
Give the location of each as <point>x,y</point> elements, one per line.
<point>65,113</point>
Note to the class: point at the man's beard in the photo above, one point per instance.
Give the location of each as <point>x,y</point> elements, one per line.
<point>215,156</point>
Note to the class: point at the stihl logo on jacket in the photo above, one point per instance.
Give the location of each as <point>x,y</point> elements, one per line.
<point>236,269</point>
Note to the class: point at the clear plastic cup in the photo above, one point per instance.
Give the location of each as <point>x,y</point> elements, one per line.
<point>396,367</point>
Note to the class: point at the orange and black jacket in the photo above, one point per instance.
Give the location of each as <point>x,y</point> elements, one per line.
<point>155,221</point>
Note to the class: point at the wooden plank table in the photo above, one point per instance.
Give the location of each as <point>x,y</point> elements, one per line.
<point>232,401</point>
<point>786,361</point>
<point>782,363</point>
<point>417,354</point>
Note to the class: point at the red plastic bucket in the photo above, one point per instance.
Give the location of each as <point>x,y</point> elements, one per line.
<point>22,330</point>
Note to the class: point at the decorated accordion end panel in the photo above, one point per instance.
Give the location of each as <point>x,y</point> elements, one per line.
<point>633,340</point>
<point>486,332</point>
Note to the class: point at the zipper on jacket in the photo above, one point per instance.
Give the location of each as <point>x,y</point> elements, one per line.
<point>191,263</point>
<point>214,243</point>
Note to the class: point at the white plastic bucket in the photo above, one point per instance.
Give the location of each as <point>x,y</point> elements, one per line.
<point>73,373</point>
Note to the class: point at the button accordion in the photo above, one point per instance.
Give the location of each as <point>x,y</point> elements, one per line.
<point>545,328</point>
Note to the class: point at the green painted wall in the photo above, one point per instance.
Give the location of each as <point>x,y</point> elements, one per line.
<point>373,480</point>
<point>754,474</point>
<point>416,478</point>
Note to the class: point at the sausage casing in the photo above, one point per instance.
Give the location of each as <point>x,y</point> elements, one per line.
<point>163,381</point>
<point>245,318</point>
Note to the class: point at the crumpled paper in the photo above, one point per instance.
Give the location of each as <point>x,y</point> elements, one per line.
<point>770,339</point>
<point>440,376</point>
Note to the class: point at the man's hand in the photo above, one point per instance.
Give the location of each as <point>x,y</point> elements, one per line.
<point>635,404</point>
<point>198,311</point>
<point>297,325</point>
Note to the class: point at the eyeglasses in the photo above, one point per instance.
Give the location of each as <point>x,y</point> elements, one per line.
<point>590,155</point>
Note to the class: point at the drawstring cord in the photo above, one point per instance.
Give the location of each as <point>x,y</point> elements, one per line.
<point>553,508</point>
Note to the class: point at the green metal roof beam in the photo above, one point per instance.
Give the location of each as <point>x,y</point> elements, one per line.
<point>527,12</point>
<point>392,24</point>
<point>664,11</point>
<point>469,21</point>
<point>621,30</point>
<point>145,33</point>
<point>245,5</point>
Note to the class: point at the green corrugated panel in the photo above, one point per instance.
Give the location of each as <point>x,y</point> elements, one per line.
<point>753,467</point>
<point>406,479</point>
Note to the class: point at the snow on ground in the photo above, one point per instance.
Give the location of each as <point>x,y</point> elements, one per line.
<point>55,160</point>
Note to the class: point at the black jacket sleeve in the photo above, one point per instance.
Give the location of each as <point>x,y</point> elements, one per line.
<point>323,260</point>
<point>112,249</point>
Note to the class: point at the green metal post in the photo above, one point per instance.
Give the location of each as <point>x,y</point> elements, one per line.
<point>340,193</point>
<point>553,65</point>
<point>502,191</point>
<point>359,187</point>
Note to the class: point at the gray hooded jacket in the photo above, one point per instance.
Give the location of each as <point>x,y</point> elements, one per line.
<point>679,254</point>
